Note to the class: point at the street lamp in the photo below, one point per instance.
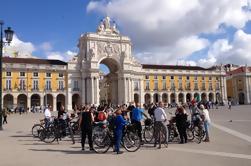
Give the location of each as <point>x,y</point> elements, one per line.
<point>8,37</point>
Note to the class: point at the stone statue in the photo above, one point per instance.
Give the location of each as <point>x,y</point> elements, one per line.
<point>101,27</point>
<point>114,28</point>
<point>107,23</point>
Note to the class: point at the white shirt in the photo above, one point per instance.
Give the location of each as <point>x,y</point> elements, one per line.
<point>47,113</point>
<point>159,114</point>
<point>206,115</point>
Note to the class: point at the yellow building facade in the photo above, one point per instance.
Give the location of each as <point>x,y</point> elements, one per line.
<point>34,83</point>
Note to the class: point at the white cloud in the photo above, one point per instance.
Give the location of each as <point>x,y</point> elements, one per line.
<point>46,46</point>
<point>236,52</point>
<point>164,31</point>
<point>63,56</point>
<point>19,48</point>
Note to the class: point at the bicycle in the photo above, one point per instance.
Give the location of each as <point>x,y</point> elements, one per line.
<point>37,128</point>
<point>103,139</point>
<point>148,130</point>
<point>56,131</point>
<point>160,133</point>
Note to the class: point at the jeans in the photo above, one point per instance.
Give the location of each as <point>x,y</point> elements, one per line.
<point>47,122</point>
<point>138,127</point>
<point>88,132</point>
<point>206,126</point>
<point>118,137</point>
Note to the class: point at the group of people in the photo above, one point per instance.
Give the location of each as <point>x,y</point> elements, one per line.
<point>122,115</point>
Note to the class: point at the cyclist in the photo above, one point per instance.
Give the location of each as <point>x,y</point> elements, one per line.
<point>47,116</point>
<point>181,119</point>
<point>119,123</point>
<point>160,119</point>
<point>137,118</point>
<point>62,117</point>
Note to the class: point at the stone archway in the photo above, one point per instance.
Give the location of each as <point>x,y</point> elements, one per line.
<point>164,98</point>
<point>241,98</point>
<point>188,97</point>
<point>211,97</point>
<point>147,98</point>
<point>136,98</point>
<point>204,97</point>
<point>76,100</point>
<point>111,82</point>
<point>35,101</point>
<point>48,101</point>
<point>8,101</point>
<point>22,101</point>
<point>172,97</point>
<point>181,97</point>
<point>156,98</point>
<point>60,101</point>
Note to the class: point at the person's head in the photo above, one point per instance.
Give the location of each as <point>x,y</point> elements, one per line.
<point>118,112</point>
<point>202,107</point>
<point>161,104</point>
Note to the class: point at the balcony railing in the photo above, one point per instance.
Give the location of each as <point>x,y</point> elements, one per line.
<point>147,89</point>
<point>48,89</point>
<point>188,88</point>
<point>172,89</point>
<point>196,88</point>
<point>21,88</point>
<point>60,89</point>
<point>75,89</point>
<point>35,89</point>
<point>7,89</point>
<point>136,89</point>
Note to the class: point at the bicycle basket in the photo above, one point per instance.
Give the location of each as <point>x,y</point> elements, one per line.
<point>148,122</point>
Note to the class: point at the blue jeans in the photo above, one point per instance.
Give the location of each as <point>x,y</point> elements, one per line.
<point>206,126</point>
<point>118,137</point>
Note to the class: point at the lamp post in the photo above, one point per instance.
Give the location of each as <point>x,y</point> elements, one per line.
<point>8,37</point>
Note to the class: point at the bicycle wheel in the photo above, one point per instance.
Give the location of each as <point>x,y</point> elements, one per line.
<point>47,135</point>
<point>36,129</point>
<point>171,135</point>
<point>101,141</point>
<point>197,135</point>
<point>190,134</point>
<point>131,141</point>
<point>148,134</point>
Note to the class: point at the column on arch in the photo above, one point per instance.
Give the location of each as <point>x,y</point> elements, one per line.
<point>54,103</point>
<point>141,86</point>
<point>83,90</point>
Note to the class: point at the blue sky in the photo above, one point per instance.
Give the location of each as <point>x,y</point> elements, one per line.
<point>163,32</point>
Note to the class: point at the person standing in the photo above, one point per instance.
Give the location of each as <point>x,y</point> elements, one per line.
<point>181,119</point>
<point>47,116</point>
<point>119,124</point>
<point>5,114</point>
<point>229,104</point>
<point>160,119</point>
<point>85,123</point>
<point>206,121</point>
<point>137,118</point>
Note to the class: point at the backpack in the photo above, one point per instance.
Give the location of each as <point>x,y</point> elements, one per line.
<point>101,116</point>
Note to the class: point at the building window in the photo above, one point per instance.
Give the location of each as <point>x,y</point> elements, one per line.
<point>210,86</point>
<point>210,78</point>
<point>48,85</point>
<point>203,78</point>
<point>155,77</point>
<point>172,77</point>
<point>217,86</point>
<point>188,86</point>
<point>61,85</point>
<point>8,74</point>
<point>22,74</point>
<point>196,86</point>
<point>203,86</point>
<point>188,77</point>
<point>136,85</point>
<point>8,84</point>
<point>35,84</point>
<point>156,85</point>
<point>172,85</point>
<point>35,74</point>
<point>163,77</point>
<point>195,78</point>
<point>180,86</point>
<point>61,75</point>
<point>147,85</point>
<point>75,85</point>
<point>48,75</point>
<point>164,84</point>
<point>180,77</point>
<point>217,78</point>
<point>147,77</point>
<point>22,85</point>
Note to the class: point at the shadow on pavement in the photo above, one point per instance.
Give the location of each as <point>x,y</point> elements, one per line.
<point>66,151</point>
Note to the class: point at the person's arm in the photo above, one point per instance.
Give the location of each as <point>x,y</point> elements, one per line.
<point>80,122</point>
<point>92,117</point>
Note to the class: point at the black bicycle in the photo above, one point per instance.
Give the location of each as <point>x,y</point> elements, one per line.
<point>103,139</point>
<point>56,131</point>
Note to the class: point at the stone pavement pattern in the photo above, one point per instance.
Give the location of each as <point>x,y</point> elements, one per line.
<point>231,148</point>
